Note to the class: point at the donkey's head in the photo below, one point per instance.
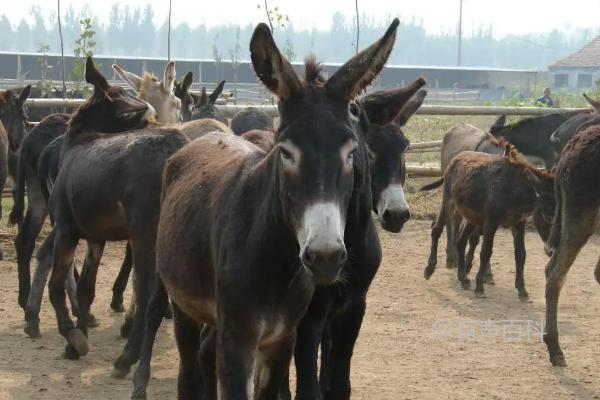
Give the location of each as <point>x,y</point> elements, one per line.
<point>204,106</point>
<point>319,152</point>
<point>12,115</point>
<point>110,109</point>
<point>182,92</point>
<point>156,93</point>
<point>388,112</point>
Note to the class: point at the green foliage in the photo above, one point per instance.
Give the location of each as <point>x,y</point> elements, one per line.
<point>45,83</point>
<point>84,48</point>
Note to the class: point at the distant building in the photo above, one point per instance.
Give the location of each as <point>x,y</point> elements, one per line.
<point>579,70</point>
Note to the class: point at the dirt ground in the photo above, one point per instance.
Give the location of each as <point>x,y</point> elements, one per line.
<point>397,355</point>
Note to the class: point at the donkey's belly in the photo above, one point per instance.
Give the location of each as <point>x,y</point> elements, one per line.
<point>107,223</point>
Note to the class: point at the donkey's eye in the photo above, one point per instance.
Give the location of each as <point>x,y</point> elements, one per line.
<point>354,110</point>
<point>286,155</point>
<point>350,158</point>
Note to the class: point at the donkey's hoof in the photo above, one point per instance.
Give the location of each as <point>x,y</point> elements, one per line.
<point>558,360</point>
<point>465,283</point>
<point>70,353</point>
<point>524,297</point>
<point>489,279</point>
<point>480,294</point>
<point>450,264</point>
<point>117,307</point>
<point>139,394</point>
<point>119,373</point>
<point>428,272</point>
<point>32,329</point>
<point>92,321</point>
<point>78,340</point>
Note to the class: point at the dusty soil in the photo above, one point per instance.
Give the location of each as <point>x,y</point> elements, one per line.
<point>396,355</point>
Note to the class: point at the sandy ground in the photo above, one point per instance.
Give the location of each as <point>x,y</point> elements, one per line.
<point>397,355</point>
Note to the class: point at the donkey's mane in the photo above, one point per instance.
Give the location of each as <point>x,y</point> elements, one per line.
<point>313,71</point>
<point>147,79</point>
<point>514,157</point>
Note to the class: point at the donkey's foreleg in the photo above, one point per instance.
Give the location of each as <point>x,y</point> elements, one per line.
<point>518,233</point>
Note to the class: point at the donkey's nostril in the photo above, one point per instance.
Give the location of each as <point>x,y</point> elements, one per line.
<point>308,258</point>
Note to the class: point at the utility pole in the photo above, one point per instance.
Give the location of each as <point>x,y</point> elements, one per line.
<point>169,35</point>
<point>62,54</point>
<point>460,31</point>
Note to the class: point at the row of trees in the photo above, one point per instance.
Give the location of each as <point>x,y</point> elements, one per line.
<point>131,31</point>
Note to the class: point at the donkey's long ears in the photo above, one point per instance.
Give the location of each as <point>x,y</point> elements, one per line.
<point>498,124</point>
<point>356,74</point>
<point>24,94</point>
<point>399,104</point>
<point>187,81</point>
<point>95,77</point>
<point>168,81</point>
<point>132,79</point>
<point>411,107</point>
<point>271,67</point>
<point>594,103</point>
<point>212,99</point>
<point>202,100</point>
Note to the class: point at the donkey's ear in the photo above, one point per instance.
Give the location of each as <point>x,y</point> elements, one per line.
<point>411,107</point>
<point>187,81</point>
<point>385,106</point>
<point>95,77</point>
<point>271,67</point>
<point>203,99</point>
<point>498,124</point>
<point>594,103</point>
<point>354,76</point>
<point>168,81</point>
<point>24,94</point>
<point>212,99</point>
<point>132,79</point>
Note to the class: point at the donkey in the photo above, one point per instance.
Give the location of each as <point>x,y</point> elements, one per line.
<point>182,91</point>
<point>3,165</point>
<point>204,106</point>
<point>250,118</point>
<point>280,229</point>
<point>575,124</point>
<point>489,191</point>
<point>530,137</point>
<point>577,197</point>
<point>156,93</point>
<point>14,119</point>
<point>84,205</point>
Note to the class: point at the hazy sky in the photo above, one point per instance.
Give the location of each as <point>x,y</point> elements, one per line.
<point>506,16</point>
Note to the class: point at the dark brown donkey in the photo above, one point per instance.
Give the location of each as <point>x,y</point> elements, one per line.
<point>578,200</point>
<point>83,205</point>
<point>244,236</point>
<point>489,191</point>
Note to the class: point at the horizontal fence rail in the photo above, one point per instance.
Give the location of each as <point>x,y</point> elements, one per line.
<point>229,110</point>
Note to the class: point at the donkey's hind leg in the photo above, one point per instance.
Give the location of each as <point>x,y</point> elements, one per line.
<point>518,233</point>
<point>461,242</point>
<point>436,231</point>
<point>65,243</point>
<point>577,227</point>
<point>120,284</point>
<point>86,286</point>
<point>487,246</point>
<point>154,315</point>
<point>40,276</point>
<point>187,335</point>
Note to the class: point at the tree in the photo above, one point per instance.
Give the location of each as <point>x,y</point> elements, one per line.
<point>46,84</point>
<point>235,55</point>
<point>217,57</point>
<point>84,48</point>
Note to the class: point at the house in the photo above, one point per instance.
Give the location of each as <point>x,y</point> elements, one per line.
<point>579,70</point>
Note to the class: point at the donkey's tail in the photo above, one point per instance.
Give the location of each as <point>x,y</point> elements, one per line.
<point>433,185</point>
<point>16,214</point>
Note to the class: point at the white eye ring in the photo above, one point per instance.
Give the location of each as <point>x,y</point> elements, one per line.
<point>353,111</point>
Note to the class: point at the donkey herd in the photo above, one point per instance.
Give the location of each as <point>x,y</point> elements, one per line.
<point>259,241</point>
